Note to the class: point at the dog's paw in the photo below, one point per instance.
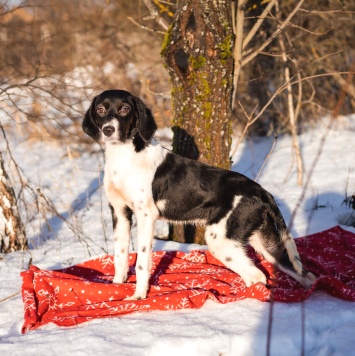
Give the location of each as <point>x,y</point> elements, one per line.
<point>253,275</point>
<point>118,280</point>
<point>308,280</point>
<point>136,297</point>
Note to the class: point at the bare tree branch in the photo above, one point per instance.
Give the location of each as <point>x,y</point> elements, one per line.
<point>291,110</point>
<point>144,27</point>
<point>238,24</point>
<point>274,35</point>
<point>283,87</point>
<point>258,23</point>
<point>155,14</point>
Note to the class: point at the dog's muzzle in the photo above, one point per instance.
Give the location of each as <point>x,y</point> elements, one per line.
<point>108,130</point>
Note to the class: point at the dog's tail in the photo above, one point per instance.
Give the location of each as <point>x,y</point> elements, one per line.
<point>274,241</point>
<point>290,262</point>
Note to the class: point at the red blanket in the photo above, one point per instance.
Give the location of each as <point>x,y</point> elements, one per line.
<point>179,280</point>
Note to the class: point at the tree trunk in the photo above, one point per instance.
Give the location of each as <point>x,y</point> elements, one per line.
<point>198,54</point>
<point>12,232</point>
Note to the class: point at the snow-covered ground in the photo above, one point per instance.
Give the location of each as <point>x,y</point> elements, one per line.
<point>322,325</point>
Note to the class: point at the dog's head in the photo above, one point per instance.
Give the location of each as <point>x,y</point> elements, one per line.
<point>119,116</point>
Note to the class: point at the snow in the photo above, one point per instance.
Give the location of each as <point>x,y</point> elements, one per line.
<point>322,325</point>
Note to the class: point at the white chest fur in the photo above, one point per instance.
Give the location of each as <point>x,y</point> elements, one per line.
<point>129,175</point>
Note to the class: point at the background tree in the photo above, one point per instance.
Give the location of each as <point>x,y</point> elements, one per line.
<point>12,232</point>
<point>198,54</point>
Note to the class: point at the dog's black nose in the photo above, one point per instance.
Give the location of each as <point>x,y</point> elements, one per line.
<point>108,130</point>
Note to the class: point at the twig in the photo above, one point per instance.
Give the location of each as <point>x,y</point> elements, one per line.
<point>275,34</point>
<point>10,296</point>
<point>291,111</point>
<point>267,158</point>
<point>327,11</point>
<point>144,27</point>
<point>245,128</point>
<point>300,91</point>
<point>310,174</point>
<point>155,14</point>
<point>349,87</point>
<point>77,231</point>
<point>238,43</point>
<point>335,114</point>
<point>277,92</point>
<point>306,30</point>
<point>258,23</point>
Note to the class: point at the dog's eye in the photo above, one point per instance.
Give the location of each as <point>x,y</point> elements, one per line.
<point>101,110</point>
<point>125,110</point>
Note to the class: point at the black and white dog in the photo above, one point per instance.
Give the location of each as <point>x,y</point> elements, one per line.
<point>145,179</point>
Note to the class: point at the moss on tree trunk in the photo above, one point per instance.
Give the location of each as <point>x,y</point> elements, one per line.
<point>198,54</point>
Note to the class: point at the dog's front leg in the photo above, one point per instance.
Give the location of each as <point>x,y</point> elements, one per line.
<point>145,225</point>
<point>121,219</point>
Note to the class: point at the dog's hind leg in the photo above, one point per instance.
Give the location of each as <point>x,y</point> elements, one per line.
<point>232,254</point>
<point>282,252</point>
<point>290,262</point>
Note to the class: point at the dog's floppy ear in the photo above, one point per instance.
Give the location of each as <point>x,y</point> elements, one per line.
<point>146,125</point>
<point>89,126</point>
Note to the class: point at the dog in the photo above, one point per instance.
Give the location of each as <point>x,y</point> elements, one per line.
<point>143,178</point>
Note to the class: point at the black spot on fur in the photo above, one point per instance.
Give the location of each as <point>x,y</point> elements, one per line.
<point>285,262</point>
<point>114,217</point>
<point>128,214</point>
<point>144,248</point>
<point>228,259</point>
<point>140,268</point>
